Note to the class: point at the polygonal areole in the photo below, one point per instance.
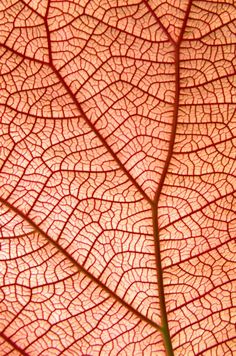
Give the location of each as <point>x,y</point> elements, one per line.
<point>117,177</point>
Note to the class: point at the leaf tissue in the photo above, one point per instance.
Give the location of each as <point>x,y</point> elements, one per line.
<point>118,177</point>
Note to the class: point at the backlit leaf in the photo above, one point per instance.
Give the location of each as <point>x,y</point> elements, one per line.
<point>118,165</point>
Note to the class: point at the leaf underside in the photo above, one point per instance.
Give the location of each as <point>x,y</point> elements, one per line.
<point>118,166</point>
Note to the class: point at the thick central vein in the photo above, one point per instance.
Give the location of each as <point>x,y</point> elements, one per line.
<point>156,231</point>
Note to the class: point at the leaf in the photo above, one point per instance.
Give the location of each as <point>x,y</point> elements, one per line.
<point>118,178</point>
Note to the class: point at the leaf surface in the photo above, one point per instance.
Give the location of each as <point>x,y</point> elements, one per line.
<point>118,177</point>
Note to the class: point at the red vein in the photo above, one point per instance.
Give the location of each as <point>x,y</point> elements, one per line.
<point>89,123</point>
<point>164,320</point>
<point>181,218</point>
<point>13,344</point>
<point>156,232</point>
<point>100,137</point>
<point>159,22</point>
<point>216,345</point>
<point>77,265</point>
